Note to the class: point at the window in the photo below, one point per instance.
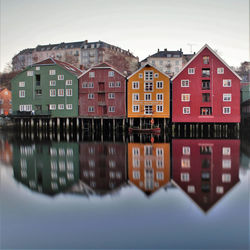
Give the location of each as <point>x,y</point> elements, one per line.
<point>136,163</point>
<point>111,73</point>
<point>186,110</point>
<point>185,97</point>
<point>111,109</point>
<point>84,85</point>
<point>205,97</point>
<point>52,106</point>
<point>148,150</point>
<point>140,75</point>
<point>205,84</point>
<point>159,108</point>
<point>205,72</point>
<point>227,97</point>
<point>185,163</point>
<point>159,151</point>
<point>52,72</point>
<point>226,151</point>
<point>220,71</point>
<point>1,101</point>
<point>135,108</point>
<point>159,175</point>
<point>111,95</point>
<point>219,190</point>
<point>191,189</point>
<point>60,106</point>
<point>205,59</point>
<point>135,97</point>
<point>68,82</point>
<point>184,83</point>
<point>136,175</point>
<point>156,75</point>
<point>147,97</point>
<point>226,178</point>
<point>159,97</point>
<point>60,92</point>
<point>38,92</point>
<point>25,107</point>
<point>21,84</point>
<point>90,96</point>
<point>148,110</point>
<point>227,83</point>
<point>186,150</point>
<point>91,109</point>
<point>118,84</point>
<point>68,106</point>
<point>111,84</point>
<point>159,163</point>
<point>68,92</point>
<point>52,92</point>
<point>148,75</point>
<point>226,110</point>
<point>52,83</point>
<point>205,150</point>
<point>37,68</point>
<point>148,86</point>
<point>226,163</point>
<point>191,71</point>
<point>29,73</point>
<point>136,151</point>
<point>135,85</point>
<point>38,80</point>
<point>60,77</point>
<point>159,85</point>
<point>21,93</point>
<point>206,111</point>
<point>185,177</point>
<point>91,74</point>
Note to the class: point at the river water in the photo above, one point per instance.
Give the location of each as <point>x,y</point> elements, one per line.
<point>141,192</point>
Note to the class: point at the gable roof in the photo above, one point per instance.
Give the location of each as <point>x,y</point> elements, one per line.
<point>103,65</point>
<point>211,50</point>
<point>164,54</point>
<point>146,65</point>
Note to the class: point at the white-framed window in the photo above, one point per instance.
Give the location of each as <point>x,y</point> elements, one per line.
<point>37,68</point>
<point>68,82</point>
<point>91,85</point>
<point>186,110</point>
<point>90,95</point>
<point>227,83</point>
<point>226,110</point>
<point>21,93</point>
<point>160,163</point>
<point>226,151</point>
<point>52,106</point>
<point>112,163</point>
<point>159,152</point>
<point>52,92</point>
<point>136,163</point>
<point>147,97</point>
<point>159,97</point>
<point>60,92</point>
<point>185,97</point>
<point>52,72</point>
<point>148,109</point>
<point>60,77</point>
<point>140,75</point>
<point>156,75</point>
<point>226,163</point>
<point>30,73</point>
<point>69,106</point>
<point>135,108</point>
<point>52,83</point>
<point>69,92</point>
<point>21,84</point>
<point>111,108</point>
<point>136,175</point>
<point>159,108</point>
<point>111,73</point>
<point>220,71</point>
<point>27,107</point>
<point>60,106</point>
<point>135,85</point>
<point>91,74</point>
<point>227,97</point>
<point>219,190</point>
<point>136,151</point>
<point>185,163</point>
<point>111,84</point>
<point>191,189</point>
<point>186,150</point>
<point>84,85</point>
<point>159,84</point>
<point>91,108</point>
<point>148,86</point>
<point>118,84</point>
<point>184,83</point>
<point>148,75</point>
<point>159,175</point>
<point>135,97</point>
<point>191,71</point>
<point>148,163</point>
<point>111,95</point>
<point>226,178</point>
<point>185,177</point>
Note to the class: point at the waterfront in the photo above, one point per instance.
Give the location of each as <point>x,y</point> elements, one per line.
<point>119,192</point>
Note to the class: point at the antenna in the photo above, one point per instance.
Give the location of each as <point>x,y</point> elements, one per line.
<point>191,47</point>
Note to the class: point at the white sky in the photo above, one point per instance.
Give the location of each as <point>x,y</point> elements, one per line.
<point>142,26</point>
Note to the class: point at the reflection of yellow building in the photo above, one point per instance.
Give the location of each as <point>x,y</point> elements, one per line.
<point>149,165</point>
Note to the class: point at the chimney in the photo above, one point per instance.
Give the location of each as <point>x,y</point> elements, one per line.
<point>86,41</point>
<point>180,49</point>
<point>165,50</point>
<point>158,50</point>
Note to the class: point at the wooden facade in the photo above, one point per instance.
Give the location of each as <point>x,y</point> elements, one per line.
<point>5,102</point>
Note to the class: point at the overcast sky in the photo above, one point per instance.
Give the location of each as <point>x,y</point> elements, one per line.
<point>142,26</point>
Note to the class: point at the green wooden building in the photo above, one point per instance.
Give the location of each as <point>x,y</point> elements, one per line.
<point>47,88</point>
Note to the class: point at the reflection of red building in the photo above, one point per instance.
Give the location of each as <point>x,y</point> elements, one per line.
<point>205,169</point>
<point>5,152</point>
<point>103,166</point>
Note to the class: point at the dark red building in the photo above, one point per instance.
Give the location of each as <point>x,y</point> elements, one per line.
<point>205,169</point>
<point>206,90</point>
<point>102,92</point>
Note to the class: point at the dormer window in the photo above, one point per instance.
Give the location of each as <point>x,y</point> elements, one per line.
<point>205,59</point>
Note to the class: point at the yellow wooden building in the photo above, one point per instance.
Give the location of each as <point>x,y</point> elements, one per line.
<point>148,94</point>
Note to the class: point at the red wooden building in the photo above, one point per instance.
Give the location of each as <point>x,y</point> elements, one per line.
<point>102,92</point>
<point>205,169</point>
<point>5,102</point>
<point>206,90</point>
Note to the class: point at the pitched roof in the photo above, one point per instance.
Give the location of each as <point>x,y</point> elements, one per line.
<point>209,48</point>
<point>165,53</point>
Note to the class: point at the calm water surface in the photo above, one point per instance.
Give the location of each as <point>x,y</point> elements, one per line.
<point>134,193</point>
